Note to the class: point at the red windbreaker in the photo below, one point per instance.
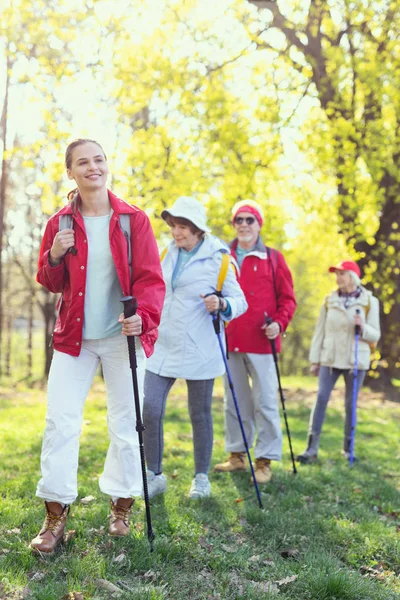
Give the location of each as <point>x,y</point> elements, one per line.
<point>69,278</point>
<point>257,282</point>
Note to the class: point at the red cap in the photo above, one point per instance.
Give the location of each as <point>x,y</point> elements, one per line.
<point>250,207</point>
<point>346,265</point>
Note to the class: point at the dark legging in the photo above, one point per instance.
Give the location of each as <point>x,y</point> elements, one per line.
<point>327,379</point>
<point>156,389</point>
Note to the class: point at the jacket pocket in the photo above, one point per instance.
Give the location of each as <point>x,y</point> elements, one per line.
<point>327,352</point>
<point>192,349</point>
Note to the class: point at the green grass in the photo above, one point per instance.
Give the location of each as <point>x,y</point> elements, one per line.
<point>342,525</point>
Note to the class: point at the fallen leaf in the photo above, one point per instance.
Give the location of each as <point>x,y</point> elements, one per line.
<point>238,500</point>
<point>287,580</point>
<point>269,562</point>
<point>5,551</point>
<point>95,531</point>
<point>289,553</point>
<point>107,585</point>
<point>268,587</point>
<point>254,558</point>
<point>174,475</point>
<point>68,535</point>
<point>205,544</point>
<point>226,548</point>
<point>120,558</point>
<point>38,576</point>
<point>87,499</point>
<point>150,574</point>
<point>370,572</point>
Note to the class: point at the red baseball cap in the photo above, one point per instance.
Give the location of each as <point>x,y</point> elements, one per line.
<point>346,265</point>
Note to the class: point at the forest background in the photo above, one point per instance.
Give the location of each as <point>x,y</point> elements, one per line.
<point>293,104</point>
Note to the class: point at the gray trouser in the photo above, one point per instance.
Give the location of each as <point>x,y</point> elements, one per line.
<point>156,389</point>
<point>258,405</point>
<point>327,379</point>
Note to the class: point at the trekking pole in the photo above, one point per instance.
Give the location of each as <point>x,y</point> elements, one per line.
<point>130,306</point>
<point>217,329</point>
<point>268,321</point>
<point>357,331</point>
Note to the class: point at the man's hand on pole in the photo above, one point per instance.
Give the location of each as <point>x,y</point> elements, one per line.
<point>272,330</point>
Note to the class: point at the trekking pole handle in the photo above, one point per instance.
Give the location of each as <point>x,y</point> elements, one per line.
<point>130,306</point>
<point>357,328</point>
<point>268,320</point>
<point>215,313</point>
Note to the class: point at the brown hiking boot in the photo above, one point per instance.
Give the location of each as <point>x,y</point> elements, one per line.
<point>262,471</point>
<point>120,515</point>
<point>235,462</point>
<point>53,528</point>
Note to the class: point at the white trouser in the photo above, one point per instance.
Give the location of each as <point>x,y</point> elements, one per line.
<point>258,405</point>
<point>69,383</point>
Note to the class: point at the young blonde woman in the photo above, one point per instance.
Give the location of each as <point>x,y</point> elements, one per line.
<point>332,350</point>
<point>88,263</point>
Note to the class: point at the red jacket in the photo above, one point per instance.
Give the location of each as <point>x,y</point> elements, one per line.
<point>69,278</point>
<point>256,280</point>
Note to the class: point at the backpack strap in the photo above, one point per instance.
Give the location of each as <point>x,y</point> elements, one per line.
<point>223,271</point>
<point>163,254</point>
<point>65,222</point>
<point>269,254</point>
<point>226,261</point>
<point>125,224</point>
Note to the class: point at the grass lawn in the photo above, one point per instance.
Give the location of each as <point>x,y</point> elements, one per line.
<point>332,532</point>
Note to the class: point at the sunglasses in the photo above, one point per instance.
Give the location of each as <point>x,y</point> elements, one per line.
<point>239,220</point>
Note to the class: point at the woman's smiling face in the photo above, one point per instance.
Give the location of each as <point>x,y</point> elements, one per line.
<point>89,167</point>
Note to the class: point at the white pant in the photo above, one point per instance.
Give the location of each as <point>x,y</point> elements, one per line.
<point>258,405</point>
<point>69,383</point>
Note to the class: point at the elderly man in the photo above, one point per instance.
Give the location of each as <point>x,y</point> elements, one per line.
<point>268,287</point>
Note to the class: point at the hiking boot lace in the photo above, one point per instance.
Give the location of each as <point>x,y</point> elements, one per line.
<point>52,522</point>
<point>262,462</point>
<point>120,513</point>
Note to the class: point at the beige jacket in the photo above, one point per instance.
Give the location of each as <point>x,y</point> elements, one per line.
<point>333,343</point>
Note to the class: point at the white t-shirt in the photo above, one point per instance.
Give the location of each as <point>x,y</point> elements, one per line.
<point>103,290</point>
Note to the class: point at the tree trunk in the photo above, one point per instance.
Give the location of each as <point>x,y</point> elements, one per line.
<point>3,190</point>
<point>385,251</point>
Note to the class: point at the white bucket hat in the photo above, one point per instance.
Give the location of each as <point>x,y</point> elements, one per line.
<point>190,209</point>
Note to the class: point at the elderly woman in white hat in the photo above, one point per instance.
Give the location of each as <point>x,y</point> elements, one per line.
<point>187,345</point>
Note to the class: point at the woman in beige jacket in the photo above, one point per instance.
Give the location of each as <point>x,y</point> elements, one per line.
<point>332,350</point>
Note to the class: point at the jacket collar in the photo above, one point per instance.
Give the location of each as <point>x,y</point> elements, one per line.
<point>335,299</point>
<point>258,250</point>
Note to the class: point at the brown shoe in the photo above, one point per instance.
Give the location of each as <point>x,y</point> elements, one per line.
<point>235,462</point>
<point>53,528</point>
<point>119,518</point>
<point>262,471</point>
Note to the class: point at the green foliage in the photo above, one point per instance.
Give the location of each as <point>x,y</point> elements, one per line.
<point>223,102</point>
